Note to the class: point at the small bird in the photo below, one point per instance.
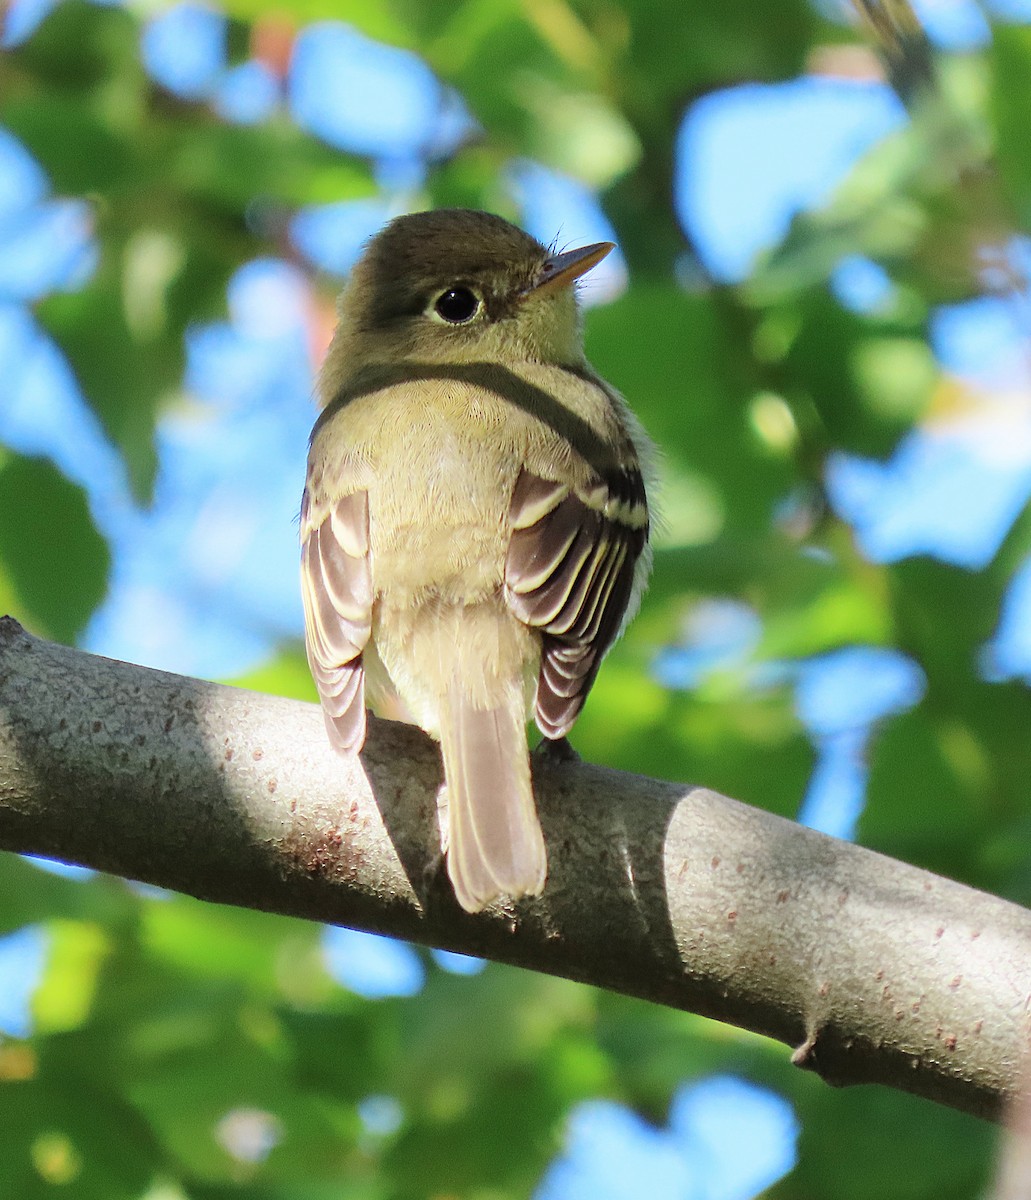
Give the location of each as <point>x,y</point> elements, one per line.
<point>474,521</point>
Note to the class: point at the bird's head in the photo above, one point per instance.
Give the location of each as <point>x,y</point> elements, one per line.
<point>457,285</point>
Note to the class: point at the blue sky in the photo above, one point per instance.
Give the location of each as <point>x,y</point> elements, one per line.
<point>205,582</point>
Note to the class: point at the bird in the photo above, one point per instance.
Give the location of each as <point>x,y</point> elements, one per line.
<point>475,519</point>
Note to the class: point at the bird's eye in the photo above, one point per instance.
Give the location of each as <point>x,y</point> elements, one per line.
<point>457,305</point>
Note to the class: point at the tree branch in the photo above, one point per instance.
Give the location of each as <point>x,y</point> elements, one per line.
<point>903,44</point>
<point>874,971</point>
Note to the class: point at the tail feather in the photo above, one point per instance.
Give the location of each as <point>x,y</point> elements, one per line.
<point>496,847</point>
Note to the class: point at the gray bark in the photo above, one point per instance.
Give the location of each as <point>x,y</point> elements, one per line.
<point>870,969</point>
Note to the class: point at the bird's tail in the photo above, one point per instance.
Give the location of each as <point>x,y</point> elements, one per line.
<point>495,847</point>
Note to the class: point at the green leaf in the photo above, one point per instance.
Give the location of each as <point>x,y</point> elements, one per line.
<point>31,894</point>
<point>123,375</point>
<point>886,1144</point>
<point>1010,57</point>
<point>270,955</point>
<point>692,397</point>
<point>232,167</point>
<point>867,385</point>
<point>287,674</point>
<point>76,954</point>
<point>375,18</point>
<point>63,1135</point>
<point>56,561</point>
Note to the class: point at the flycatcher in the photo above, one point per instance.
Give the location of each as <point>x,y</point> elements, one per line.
<point>474,521</point>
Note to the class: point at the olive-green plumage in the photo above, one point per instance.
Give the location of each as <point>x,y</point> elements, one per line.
<point>474,522</point>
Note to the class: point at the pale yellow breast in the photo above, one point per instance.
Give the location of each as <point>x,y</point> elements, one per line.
<point>439,469</point>
<point>440,459</point>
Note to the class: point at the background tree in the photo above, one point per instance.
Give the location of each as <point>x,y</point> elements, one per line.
<point>838,607</point>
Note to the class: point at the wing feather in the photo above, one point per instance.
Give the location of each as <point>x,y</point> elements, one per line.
<point>570,571</point>
<point>336,586</point>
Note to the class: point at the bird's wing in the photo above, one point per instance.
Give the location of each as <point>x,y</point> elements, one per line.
<point>570,572</point>
<point>336,585</point>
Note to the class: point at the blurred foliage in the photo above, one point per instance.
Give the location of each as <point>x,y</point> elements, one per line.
<point>158,1018</point>
<point>59,587</point>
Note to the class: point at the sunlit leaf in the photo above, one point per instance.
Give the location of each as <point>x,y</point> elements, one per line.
<point>56,561</point>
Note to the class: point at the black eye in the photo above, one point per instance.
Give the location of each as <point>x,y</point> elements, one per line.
<point>457,305</point>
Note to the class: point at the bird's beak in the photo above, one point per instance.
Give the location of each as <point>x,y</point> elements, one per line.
<point>562,269</point>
